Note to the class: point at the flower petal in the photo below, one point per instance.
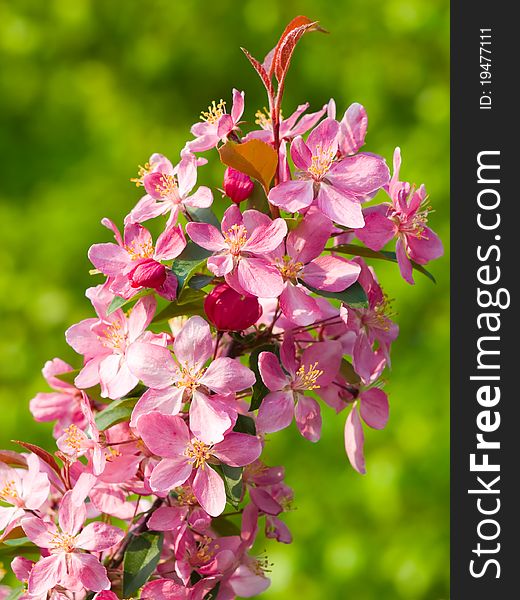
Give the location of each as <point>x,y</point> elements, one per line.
<point>193,345</point>
<point>354,441</point>
<point>209,490</point>
<point>276,412</point>
<point>164,435</point>
<point>152,364</point>
<point>238,449</point>
<point>373,407</point>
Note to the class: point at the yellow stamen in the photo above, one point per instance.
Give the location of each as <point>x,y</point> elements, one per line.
<point>63,542</point>
<point>73,438</point>
<point>263,118</point>
<point>138,250</point>
<point>141,173</point>
<point>199,452</point>
<point>321,162</point>
<point>235,238</point>
<point>289,268</point>
<point>306,378</point>
<point>8,492</point>
<point>214,112</point>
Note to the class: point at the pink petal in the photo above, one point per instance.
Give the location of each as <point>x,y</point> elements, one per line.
<point>226,375</point>
<point>307,415</point>
<point>209,418</point>
<point>209,490</point>
<point>264,240</point>
<point>137,237</point>
<point>271,371</point>
<point>70,515</point>
<point>323,136</point>
<point>238,449</point>
<point>187,174</point>
<point>38,531</point>
<point>153,364</point>
<point>168,289</point>
<point>89,375</point>
<point>110,259</point>
<point>301,154</point>
<point>45,574</point>
<point>327,358</point>
<point>378,229</point>
<point>167,401</point>
<point>259,278</point>
<point>170,243</point>
<point>425,248</point>
<point>232,216</point>
<point>307,241</point>
<point>360,175</point>
<point>202,198</point>
<point>354,441</point>
<point>167,518</point>
<point>265,502</point>
<point>353,128</point>
<point>170,473</point>
<point>140,317</point>
<point>339,207</point>
<point>91,572</point>
<point>373,407</point>
<point>276,412</point>
<point>147,208</point>
<point>99,536</point>
<point>292,196</point>
<point>298,306</point>
<point>220,265</point>
<point>405,266</point>
<point>206,235</point>
<point>193,345</point>
<point>164,435</point>
<point>237,108</point>
<point>331,273</point>
<point>81,338</point>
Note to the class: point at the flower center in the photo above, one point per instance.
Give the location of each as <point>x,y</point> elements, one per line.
<point>214,112</point>
<point>380,315</point>
<point>185,497</point>
<point>167,186</point>
<point>263,118</point>
<point>141,173</point>
<point>415,224</point>
<point>8,492</point>
<point>289,268</point>
<point>63,542</point>
<point>190,377</point>
<point>261,565</point>
<point>204,552</point>
<point>138,250</point>
<point>321,162</point>
<point>113,336</point>
<point>73,438</point>
<point>235,238</point>
<point>199,453</point>
<point>306,377</point>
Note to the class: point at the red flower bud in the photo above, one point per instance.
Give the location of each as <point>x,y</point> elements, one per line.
<point>238,186</point>
<point>230,311</point>
<point>147,273</point>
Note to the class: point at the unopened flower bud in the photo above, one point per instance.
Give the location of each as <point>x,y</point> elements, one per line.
<point>230,311</point>
<point>147,273</point>
<point>237,186</point>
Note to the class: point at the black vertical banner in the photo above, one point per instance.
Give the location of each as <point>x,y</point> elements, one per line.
<point>485,328</point>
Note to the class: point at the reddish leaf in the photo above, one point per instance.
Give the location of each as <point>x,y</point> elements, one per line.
<point>41,453</point>
<point>266,80</point>
<point>282,58</point>
<point>14,459</point>
<point>254,158</point>
<point>270,59</point>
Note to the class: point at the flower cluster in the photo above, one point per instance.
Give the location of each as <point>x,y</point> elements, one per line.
<point>203,343</point>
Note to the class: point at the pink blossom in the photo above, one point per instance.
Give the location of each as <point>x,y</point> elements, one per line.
<point>63,564</point>
<point>404,218</point>
<point>289,128</point>
<point>372,324</point>
<point>336,186</point>
<point>21,490</point>
<point>134,264</point>
<point>169,189</point>
<point>63,405</point>
<point>105,341</point>
<point>216,124</point>
<point>316,367</point>
<point>240,250</point>
<point>237,186</point>
<point>183,455</point>
<point>172,383</point>
<point>352,128</point>
<point>300,261</point>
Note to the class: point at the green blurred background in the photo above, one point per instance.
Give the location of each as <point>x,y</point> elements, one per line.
<point>89,89</point>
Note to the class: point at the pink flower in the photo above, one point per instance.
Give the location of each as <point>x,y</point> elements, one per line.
<point>216,124</point>
<point>174,383</point>
<point>21,490</point>
<point>289,128</point>
<point>301,262</point>
<point>336,186</point>
<point>230,311</point>
<point>64,564</point>
<point>134,264</point>
<point>352,128</point>
<point>404,218</point>
<point>241,248</point>
<point>183,454</point>
<point>169,190</point>
<point>372,324</point>
<point>317,366</point>
<point>63,405</point>
<point>372,407</point>
<point>105,341</point>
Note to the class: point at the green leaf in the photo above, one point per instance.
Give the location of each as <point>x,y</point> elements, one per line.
<point>203,215</point>
<point>197,282</point>
<point>260,390</point>
<point>189,295</point>
<point>355,250</point>
<point>223,526</point>
<point>233,485</point>
<point>118,302</point>
<point>116,412</point>
<point>15,593</point>
<point>353,296</point>
<point>245,424</point>
<point>347,370</point>
<point>177,310</point>
<point>213,594</point>
<point>190,259</point>
<point>141,558</point>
